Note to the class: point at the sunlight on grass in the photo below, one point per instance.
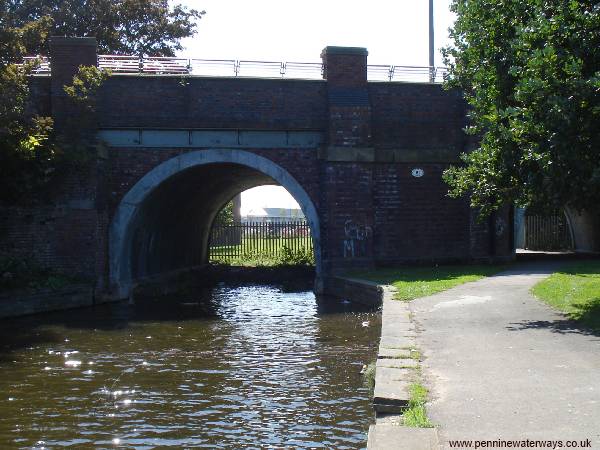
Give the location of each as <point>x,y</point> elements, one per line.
<point>416,415</point>
<point>414,282</point>
<point>574,290</point>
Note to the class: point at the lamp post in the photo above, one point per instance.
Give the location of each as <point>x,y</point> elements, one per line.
<point>431,44</point>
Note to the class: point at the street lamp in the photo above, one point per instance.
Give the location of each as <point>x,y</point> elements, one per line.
<point>431,44</point>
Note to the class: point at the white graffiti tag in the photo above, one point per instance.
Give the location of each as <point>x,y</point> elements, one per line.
<point>355,237</point>
<point>500,226</point>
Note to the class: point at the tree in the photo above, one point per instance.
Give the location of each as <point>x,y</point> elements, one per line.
<point>530,72</point>
<point>130,27</point>
<point>226,216</point>
<point>30,152</point>
<point>26,155</point>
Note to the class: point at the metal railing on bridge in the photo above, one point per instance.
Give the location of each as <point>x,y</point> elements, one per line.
<point>41,64</point>
<point>154,65</point>
<point>406,73</point>
<point>253,68</point>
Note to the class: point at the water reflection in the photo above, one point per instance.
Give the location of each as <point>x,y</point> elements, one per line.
<point>236,367</point>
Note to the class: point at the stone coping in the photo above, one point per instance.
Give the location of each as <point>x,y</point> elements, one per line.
<point>337,50</point>
<point>395,370</point>
<point>70,41</point>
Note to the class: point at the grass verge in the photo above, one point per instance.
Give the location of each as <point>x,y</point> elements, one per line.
<point>264,253</point>
<point>574,290</point>
<point>416,415</point>
<point>414,282</point>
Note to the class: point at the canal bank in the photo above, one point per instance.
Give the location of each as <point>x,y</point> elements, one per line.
<point>397,366</point>
<point>27,301</point>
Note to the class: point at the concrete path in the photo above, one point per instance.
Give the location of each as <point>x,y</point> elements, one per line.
<point>502,365</point>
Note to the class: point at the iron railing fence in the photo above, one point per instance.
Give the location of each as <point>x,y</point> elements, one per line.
<point>42,66</point>
<point>252,240</point>
<point>123,64</point>
<point>548,232</point>
<point>406,73</point>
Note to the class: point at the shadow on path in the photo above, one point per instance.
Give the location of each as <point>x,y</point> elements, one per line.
<point>562,326</point>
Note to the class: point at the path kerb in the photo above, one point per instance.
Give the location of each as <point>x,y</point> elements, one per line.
<point>393,375</point>
<point>396,367</point>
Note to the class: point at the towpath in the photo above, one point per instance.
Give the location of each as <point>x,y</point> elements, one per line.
<point>501,365</point>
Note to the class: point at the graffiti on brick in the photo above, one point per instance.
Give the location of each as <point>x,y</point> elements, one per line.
<point>355,239</point>
<point>500,226</point>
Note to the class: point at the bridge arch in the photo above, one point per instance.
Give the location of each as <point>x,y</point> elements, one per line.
<point>150,213</point>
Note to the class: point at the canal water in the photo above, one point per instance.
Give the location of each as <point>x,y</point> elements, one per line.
<point>231,367</point>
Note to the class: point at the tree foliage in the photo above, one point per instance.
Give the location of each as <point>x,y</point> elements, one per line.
<point>530,72</point>
<point>26,155</point>
<point>76,139</point>
<point>138,27</point>
<point>226,216</point>
<point>30,150</point>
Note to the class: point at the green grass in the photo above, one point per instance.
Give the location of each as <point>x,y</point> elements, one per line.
<point>574,290</point>
<point>416,415</point>
<point>255,252</point>
<point>414,282</point>
<point>255,244</point>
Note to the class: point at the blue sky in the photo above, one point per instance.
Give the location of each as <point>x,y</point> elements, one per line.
<point>394,32</point>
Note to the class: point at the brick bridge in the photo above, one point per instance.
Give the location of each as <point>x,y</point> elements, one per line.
<point>363,159</point>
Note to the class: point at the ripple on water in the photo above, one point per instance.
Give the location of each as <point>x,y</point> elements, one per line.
<point>269,368</point>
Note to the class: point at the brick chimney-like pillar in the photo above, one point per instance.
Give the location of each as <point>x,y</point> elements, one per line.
<point>66,55</point>
<point>347,182</point>
<point>345,69</point>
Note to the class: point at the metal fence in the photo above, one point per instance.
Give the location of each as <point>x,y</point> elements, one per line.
<point>41,64</point>
<point>259,240</point>
<point>250,68</point>
<point>152,65</point>
<point>548,232</point>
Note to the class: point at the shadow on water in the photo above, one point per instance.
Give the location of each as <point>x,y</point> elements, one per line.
<point>200,304</point>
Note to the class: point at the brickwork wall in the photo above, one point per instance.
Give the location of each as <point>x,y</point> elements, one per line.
<point>345,68</point>
<point>59,237</point>
<point>215,103</point>
<point>40,103</point>
<point>381,211</point>
<point>414,218</point>
<point>350,126</point>
<point>129,165</point>
<point>61,230</point>
<point>416,116</point>
<point>347,192</point>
